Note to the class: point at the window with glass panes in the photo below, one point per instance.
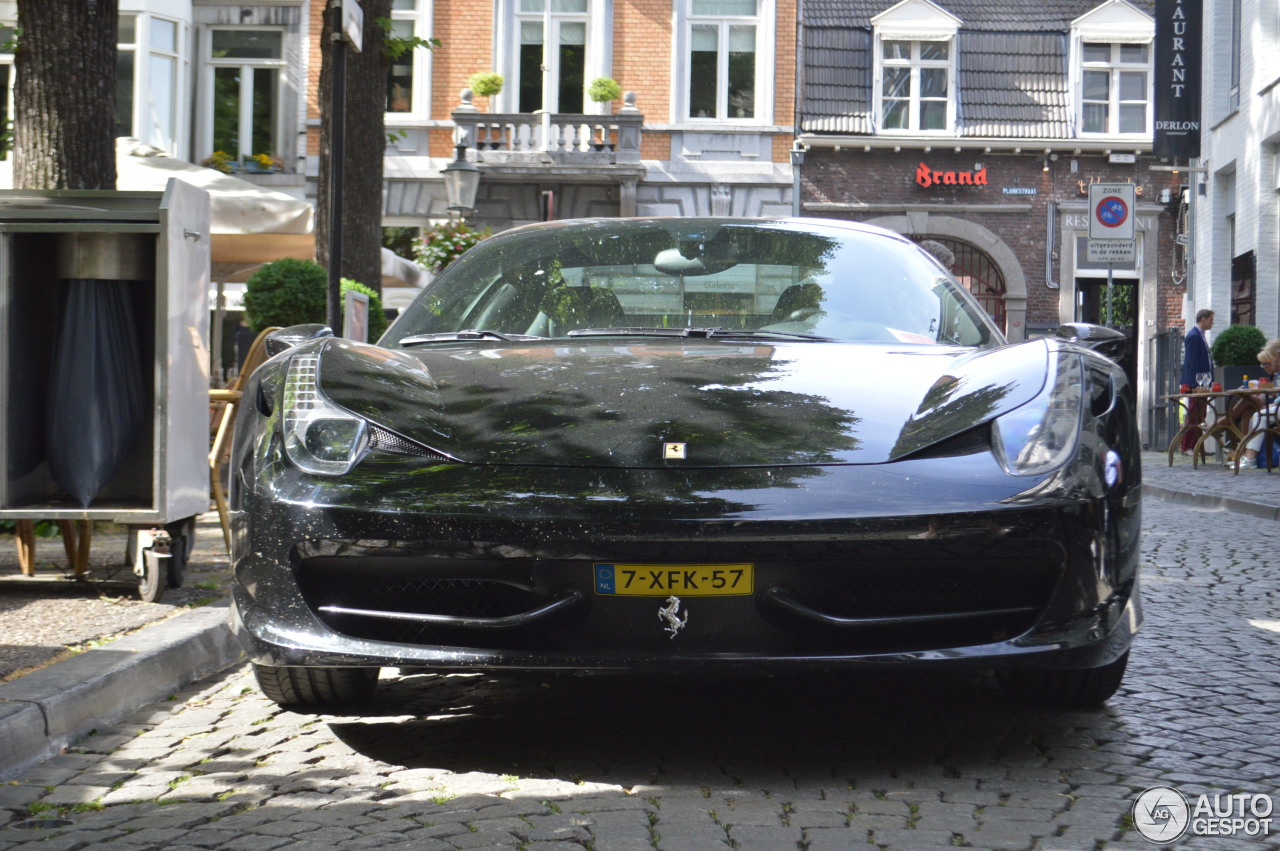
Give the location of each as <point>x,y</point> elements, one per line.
<point>722,58</point>
<point>8,36</point>
<point>147,67</point>
<point>160,119</point>
<point>915,85</point>
<point>1115,92</point>
<point>407,86</point>
<point>565,25</point>
<point>247,67</point>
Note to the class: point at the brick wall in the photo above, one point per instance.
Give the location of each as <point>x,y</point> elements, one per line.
<point>642,41</point>
<point>884,177</point>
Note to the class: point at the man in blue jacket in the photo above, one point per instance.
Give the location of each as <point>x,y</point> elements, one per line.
<point>1195,360</point>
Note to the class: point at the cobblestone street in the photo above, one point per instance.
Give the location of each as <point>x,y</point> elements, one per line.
<point>891,760</point>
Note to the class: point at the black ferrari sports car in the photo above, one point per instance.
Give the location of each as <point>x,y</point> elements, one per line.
<point>688,445</point>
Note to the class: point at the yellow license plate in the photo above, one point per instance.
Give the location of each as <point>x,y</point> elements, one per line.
<point>661,580</point>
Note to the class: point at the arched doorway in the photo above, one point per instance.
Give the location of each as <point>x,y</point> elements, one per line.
<point>979,273</point>
<point>992,266</point>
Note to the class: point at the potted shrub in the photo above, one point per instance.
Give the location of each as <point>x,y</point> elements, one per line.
<point>486,84</point>
<point>220,161</point>
<point>603,90</point>
<point>1235,355</point>
<point>286,292</point>
<point>296,292</point>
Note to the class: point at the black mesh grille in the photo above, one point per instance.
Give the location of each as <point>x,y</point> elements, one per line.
<point>971,442</point>
<point>1020,589</point>
<point>381,440</point>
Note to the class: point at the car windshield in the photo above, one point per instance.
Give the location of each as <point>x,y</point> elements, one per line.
<point>695,277</point>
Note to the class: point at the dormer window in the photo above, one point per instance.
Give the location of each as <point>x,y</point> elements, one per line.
<point>915,85</point>
<point>1111,57</point>
<point>915,68</point>
<point>1116,88</point>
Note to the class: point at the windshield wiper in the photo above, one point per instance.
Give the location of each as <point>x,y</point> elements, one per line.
<point>698,333</point>
<point>460,336</point>
<point>725,333</point>
<point>640,332</point>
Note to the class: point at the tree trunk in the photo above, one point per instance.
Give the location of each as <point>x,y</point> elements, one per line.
<point>364,144</point>
<point>65,95</point>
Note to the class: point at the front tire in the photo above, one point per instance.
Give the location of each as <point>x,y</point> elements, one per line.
<point>1066,688</point>
<point>316,688</point>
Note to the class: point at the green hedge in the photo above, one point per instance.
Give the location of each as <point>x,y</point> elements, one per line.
<point>296,292</point>
<point>1238,346</point>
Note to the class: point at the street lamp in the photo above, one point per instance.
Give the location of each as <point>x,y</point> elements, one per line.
<point>797,160</point>
<point>461,182</point>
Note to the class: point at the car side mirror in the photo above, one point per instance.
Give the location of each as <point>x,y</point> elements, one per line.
<point>1101,339</point>
<point>286,338</point>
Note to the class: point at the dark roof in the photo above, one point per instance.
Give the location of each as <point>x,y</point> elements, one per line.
<point>989,15</point>
<point>1011,61</point>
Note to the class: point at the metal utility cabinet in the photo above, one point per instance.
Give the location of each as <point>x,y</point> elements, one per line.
<point>159,244</point>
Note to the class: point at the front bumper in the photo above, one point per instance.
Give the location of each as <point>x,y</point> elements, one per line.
<point>1041,582</point>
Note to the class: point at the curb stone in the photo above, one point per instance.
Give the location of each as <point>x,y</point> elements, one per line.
<point>1210,500</point>
<point>47,710</point>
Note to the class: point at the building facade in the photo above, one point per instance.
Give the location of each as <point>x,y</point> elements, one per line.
<point>703,129</point>
<point>1236,259</point>
<point>982,125</point>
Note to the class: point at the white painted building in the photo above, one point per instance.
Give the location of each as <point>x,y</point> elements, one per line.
<point>1236,258</point>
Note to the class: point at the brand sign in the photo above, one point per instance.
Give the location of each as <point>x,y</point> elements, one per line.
<point>927,177</point>
<point>1177,78</point>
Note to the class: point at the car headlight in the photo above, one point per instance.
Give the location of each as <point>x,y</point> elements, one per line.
<point>319,436</point>
<point>1041,435</point>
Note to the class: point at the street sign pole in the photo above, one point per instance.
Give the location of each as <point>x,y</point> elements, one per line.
<point>1110,292</point>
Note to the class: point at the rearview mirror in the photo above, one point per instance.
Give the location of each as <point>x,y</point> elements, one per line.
<point>1103,340</point>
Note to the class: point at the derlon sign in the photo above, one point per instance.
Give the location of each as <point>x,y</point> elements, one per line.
<point>1177,78</point>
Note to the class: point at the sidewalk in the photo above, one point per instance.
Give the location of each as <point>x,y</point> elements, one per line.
<point>1254,492</point>
<point>48,710</point>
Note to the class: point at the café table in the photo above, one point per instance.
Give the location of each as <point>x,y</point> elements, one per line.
<point>1227,415</point>
<point>1268,424</point>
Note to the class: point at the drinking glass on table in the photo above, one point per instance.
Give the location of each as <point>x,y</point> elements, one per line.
<point>1203,379</point>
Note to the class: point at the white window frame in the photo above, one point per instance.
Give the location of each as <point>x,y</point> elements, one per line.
<point>7,59</point>
<point>1114,66</point>
<point>917,22</point>
<point>1114,22</point>
<point>765,22</point>
<point>915,99</point>
<point>598,54</point>
<point>142,119</point>
<point>420,17</point>
<point>156,135</point>
<point>246,103</point>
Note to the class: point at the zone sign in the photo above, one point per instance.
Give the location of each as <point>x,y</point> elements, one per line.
<point>1111,210</point>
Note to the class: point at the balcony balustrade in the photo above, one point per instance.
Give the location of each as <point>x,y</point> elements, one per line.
<point>514,138</point>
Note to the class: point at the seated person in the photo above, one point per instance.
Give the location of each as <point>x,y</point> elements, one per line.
<point>1269,357</point>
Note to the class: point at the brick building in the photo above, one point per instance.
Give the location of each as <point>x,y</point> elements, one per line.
<point>704,127</point>
<point>981,124</point>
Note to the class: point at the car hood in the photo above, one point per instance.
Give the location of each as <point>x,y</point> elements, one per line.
<point>619,403</point>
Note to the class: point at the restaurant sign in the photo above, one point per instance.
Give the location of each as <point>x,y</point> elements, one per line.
<point>1177,78</point>
<point>927,177</point>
